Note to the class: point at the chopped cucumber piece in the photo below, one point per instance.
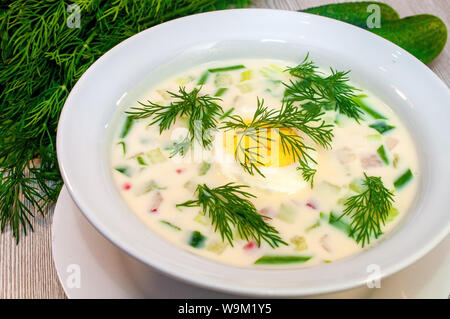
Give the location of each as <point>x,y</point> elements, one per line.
<point>217,247</point>
<point>127,127</point>
<point>357,185</point>
<point>223,80</point>
<point>393,212</point>
<point>228,68</point>
<point>190,185</point>
<point>156,156</point>
<point>381,127</point>
<point>287,213</point>
<point>333,220</point>
<point>165,222</point>
<point>204,168</point>
<point>280,260</point>
<point>202,219</point>
<point>382,153</point>
<point>246,75</point>
<point>220,92</point>
<point>197,240</point>
<point>184,80</point>
<point>299,242</point>
<point>374,137</point>
<point>403,179</point>
<point>148,187</point>
<point>125,170</point>
<point>245,87</point>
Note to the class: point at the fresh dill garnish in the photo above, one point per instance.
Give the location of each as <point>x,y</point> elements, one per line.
<point>41,59</point>
<point>230,210</point>
<point>329,92</point>
<point>289,116</point>
<point>201,111</point>
<point>369,209</point>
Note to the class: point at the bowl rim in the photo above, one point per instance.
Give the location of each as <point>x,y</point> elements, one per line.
<point>243,289</point>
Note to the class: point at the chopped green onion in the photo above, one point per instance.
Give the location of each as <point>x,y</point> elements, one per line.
<point>148,187</point>
<point>165,222</point>
<point>404,179</point>
<point>203,78</point>
<point>278,260</point>
<point>125,170</point>
<point>382,153</point>
<point>382,127</point>
<point>374,114</point>
<point>127,127</point>
<point>204,168</point>
<point>197,240</point>
<point>141,161</point>
<point>124,147</point>
<point>220,92</point>
<point>228,68</point>
<point>226,114</point>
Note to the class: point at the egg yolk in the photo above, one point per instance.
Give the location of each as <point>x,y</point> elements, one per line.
<point>264,143</point>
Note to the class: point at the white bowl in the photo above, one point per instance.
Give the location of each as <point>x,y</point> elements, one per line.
<point>394,75</point>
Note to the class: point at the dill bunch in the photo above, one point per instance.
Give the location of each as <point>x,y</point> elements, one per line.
<point>369,209</point>
<point>201,111</point>
<point>41,59</point>
<point>229,209</point>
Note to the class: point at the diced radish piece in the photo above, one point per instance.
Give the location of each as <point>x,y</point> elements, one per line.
<point>311,205</point>
<point>126,186</point>
<point>371,161</point>
<point>157,200</point>
<point>179,171</point>
<point>391,143</point>
<point>251,245</point>
<point>345,155</point>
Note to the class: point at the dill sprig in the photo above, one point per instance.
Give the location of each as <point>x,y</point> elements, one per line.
<point>369,209</point>
<point>41,59</point>
<point>304,119</point>
<point>230,210</point>
<point>330,93</point>
<point>201,111</point>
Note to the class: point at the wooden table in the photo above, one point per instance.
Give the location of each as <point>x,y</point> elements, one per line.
<point>27,270</point>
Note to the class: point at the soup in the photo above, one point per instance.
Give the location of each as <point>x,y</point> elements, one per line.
<point>264,163</point>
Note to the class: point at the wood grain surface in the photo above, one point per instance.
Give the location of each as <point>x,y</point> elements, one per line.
<point>27,270</point>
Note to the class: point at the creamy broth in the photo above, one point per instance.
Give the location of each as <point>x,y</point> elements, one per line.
<point>152,183</point>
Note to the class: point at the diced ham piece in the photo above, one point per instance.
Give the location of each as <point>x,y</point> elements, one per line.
<point>156,202</point>
<point>391,143</point>
<point>371,161</point>
<point>324,243</point>
<point>345,155</point>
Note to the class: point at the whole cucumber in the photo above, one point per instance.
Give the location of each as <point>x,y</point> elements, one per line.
<point>424,36</point>
<point>354,12</point>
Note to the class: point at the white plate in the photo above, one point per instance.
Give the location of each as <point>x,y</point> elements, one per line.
<point>107,272</point>
<point>418,96</point>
